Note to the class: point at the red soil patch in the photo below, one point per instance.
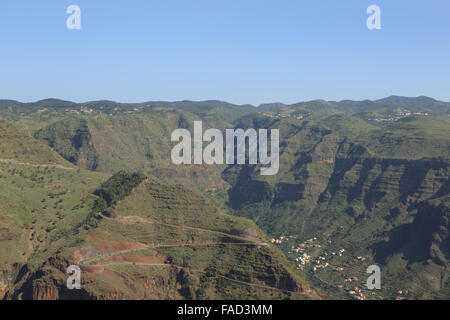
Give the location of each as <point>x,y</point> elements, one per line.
<point>137,259</point>
<point>89,252</point>
<point>120,246</point>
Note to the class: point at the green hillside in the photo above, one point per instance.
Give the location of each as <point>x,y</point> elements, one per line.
<point>156,241</point>
<point>42,197</point>
<point>133,238</point>
<point>411,138</point>
<point>370,178</point>
<point>356,187</point>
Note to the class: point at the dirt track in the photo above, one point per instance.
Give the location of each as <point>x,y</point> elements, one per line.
<point>57,166</point>
<point>250,242</point>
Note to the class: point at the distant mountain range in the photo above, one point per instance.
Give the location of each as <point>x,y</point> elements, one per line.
<point>395,100</point>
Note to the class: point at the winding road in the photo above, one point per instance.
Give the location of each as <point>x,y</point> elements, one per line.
<point>249,242</point>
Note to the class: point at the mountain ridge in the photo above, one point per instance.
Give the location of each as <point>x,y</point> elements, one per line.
<point>262,106</point>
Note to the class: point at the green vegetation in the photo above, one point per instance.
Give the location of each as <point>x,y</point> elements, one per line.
<point>370,177</point>
<point>48,222</point>
<point>72,140</point>
<point>118,186</point>
<point>191,251</point>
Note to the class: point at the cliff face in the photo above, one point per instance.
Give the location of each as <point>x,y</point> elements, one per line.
<point>391,209</point>
<point>72,139</point>
<point>364,185</point>
<point>48,282</point>
<point>394,206</point>
<point>356,187</point>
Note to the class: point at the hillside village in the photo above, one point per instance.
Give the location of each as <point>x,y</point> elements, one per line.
<point>284,113</point>
<point>399,114</point>
<point>341,270</point>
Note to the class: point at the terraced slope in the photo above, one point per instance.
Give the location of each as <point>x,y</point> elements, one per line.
<point>162,242</point>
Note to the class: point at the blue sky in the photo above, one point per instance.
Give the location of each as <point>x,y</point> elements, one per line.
<point>246,51</point>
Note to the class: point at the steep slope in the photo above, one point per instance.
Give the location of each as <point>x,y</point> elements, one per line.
<point>72,140</point>
<point>41,197</point>
<point>108,143</point>
<point>157,241</point>
<point>353,186</point>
